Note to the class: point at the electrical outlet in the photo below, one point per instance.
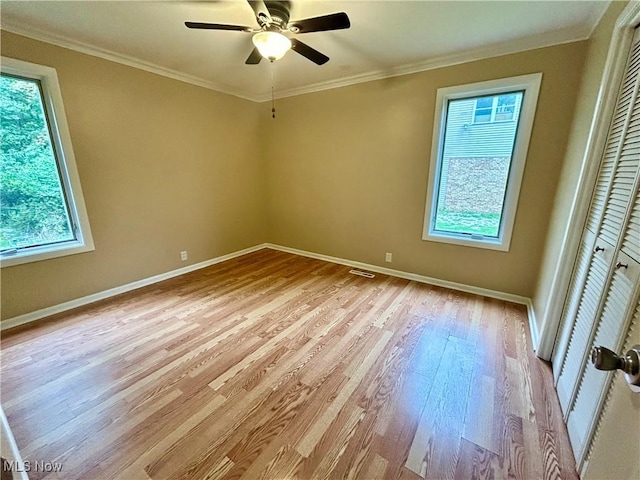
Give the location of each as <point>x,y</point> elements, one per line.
<point>183,255</point>
<point>388,257</point>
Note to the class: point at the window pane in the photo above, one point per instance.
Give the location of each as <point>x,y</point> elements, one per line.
<point>33,208</point>
<point>484,107</point>
<point>484,102</point>
<point>483,115</point>
<point>505,108</point>
<point>474,168</point>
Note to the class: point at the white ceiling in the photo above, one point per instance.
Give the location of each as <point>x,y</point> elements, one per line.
<point>386,38</point>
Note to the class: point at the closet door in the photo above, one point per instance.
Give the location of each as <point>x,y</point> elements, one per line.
<point>614,449</point>
<point>604,294</point>
<point>630,160</point>
<point>598,249</point>
<point>613,324</point>
<point>572,303</point>
<point>588,309</point>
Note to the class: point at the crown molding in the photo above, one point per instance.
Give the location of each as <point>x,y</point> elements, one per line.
<point>35,33</point>
<point>496,50</point>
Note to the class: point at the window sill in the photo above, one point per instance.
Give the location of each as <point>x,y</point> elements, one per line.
<point>467,241</point>
<point>45,253</point>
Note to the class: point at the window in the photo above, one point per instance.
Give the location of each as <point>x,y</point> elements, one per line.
<point>480,141</point>
<point>42,212</point>
<point>496,108</point>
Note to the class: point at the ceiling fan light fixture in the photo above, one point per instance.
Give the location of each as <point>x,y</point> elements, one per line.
<point>271,45</point>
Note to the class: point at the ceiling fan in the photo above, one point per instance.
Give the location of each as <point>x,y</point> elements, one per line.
<point>269,40</point>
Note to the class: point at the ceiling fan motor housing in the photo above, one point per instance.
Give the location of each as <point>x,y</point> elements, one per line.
<point>279,13</point>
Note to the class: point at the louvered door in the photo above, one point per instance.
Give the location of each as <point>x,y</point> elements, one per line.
<point>583,260</point>
<point>613,149</point>
<point>604,287</point>
<point>610,160</point>
<point>588,307</point>
<point>629,161</point>
<point>594,383</point>
<point>614,449</point>
<point>606,214</point>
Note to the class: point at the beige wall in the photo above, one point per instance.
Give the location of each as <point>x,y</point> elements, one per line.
<point>165,166</point>
<point>347,171</point>
<point>598,46</point>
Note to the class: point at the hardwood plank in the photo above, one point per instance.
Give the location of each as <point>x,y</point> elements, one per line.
<point>272,365</point>
<point>400,420</point>
<point>313,435</point>
<point>478,421</point>
<point>130,466</point>
<point>533,453</point>
<point>556,454</point>
<point>526,394</point>
<point>376,468</point>
<point>324,391</point>
<point>246,443</point>
<point>399,416</point>
<point>285,464</point>
<point>477,463</point>
<point>513,447</point>
<point>97,447</point>
<point>219,470</point>
<point>436,445</point>
<point>330,448</point>
<point>200,448</point>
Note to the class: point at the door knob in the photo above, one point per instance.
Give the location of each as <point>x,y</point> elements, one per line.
<point>604,359</point>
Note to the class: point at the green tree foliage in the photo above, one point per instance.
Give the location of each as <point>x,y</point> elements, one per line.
<point>32,206</point>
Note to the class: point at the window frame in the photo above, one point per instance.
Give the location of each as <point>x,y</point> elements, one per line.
<point>66,163</point>
<point>494,112</point>
<point>530,85</point>
<point>491,113</point>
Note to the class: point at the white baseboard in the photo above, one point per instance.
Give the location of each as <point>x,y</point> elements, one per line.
<point>45,312</point>
<point>62,307</point>
<point>409,276</point>
<point>533,327</point>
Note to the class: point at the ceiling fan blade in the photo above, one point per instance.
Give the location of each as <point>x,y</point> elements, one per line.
<point>334,21</point>
<point>260,9</point>
<point>254,58</point>
<point>306,51</point>
<point>216,26</point>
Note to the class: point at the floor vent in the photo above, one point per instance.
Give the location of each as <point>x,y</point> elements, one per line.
<point>362,274</point>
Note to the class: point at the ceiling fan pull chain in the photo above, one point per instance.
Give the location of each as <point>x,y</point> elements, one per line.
<point>273,95</point>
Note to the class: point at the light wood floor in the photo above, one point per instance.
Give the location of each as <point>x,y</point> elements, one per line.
<point>277,366</point>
